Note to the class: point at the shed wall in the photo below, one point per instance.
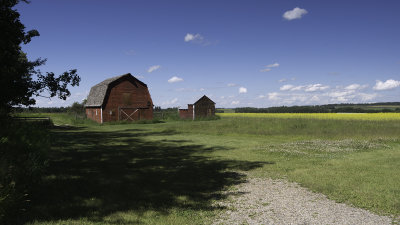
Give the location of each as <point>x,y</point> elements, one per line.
<point>94,114</point>
<point>186,113</point>
<point>204,108</point>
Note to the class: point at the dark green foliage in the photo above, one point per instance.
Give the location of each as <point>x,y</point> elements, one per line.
<point>77,108</point>
<point>166,114</point>
<point>24,146</point>
<point>20,81</point>
<point>40,110</point>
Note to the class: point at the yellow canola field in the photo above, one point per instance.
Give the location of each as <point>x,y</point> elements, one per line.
<point>334,116</point>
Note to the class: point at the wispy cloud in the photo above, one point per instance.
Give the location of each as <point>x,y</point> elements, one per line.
<point>153,68</point>
<point>295,13</point>
<point>261,96</point>
<point>130,52</point>
<point>268,67</point>
<point>306,88</point>
<point>235,102</point>
<point>231,85</point>
<point>170,102</point>
<point>242,90</point>
<point>265,70</point>
<point>139,76</point>
<point>355,87</point>
<point>387,85</point>
<point>282,80</point>
<point>273,65</point>
<point>175,79</point>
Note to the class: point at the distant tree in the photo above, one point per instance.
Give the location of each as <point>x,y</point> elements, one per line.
<point>77,108</point>
<point>20,81</point>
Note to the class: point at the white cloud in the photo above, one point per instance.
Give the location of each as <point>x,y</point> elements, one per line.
<point>389,84</point>
<point>261,96</point>
<point>153,68</point>
<point>320,94</point>
<point>286,87</point>
<point>315,87</point>
<point>231,85</point>
<point>340,93</point>
<point>282,80</point>
<point>298,88</point>
<point>355,87</point>
<point>265,70</point>
<point>235,102</point>
<point>193,37</point>
<point>273,96</point>
<point>295,13</point>
<point>175,79</point>
<point>273,65</point>
<point>242,90</point>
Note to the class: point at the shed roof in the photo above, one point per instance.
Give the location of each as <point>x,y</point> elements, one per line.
<point>98,92</point>
<point>204,98</point>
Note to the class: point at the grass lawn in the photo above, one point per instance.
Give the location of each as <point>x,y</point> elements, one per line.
<point>172,172</point>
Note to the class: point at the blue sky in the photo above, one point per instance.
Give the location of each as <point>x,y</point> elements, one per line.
<point>239,53</point>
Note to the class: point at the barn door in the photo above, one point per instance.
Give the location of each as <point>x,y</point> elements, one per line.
<point>129,114</point>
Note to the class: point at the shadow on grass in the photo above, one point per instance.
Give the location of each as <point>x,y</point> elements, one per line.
<point>94,174</point>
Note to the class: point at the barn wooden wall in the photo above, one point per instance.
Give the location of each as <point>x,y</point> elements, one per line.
<point>124,94</point>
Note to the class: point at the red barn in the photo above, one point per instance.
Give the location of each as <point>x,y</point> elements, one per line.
<point>203,107</point>
<point>121,98</point>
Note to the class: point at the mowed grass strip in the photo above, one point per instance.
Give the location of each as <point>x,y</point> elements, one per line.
<point>172,172</point>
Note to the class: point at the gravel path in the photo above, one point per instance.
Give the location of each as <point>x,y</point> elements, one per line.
<point>267,201</point>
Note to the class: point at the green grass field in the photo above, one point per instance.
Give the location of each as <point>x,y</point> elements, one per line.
<point>172,172</point>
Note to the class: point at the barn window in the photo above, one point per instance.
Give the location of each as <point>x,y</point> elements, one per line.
<point>126,98</point>
<point>96,112</point>
<point>111,113</point>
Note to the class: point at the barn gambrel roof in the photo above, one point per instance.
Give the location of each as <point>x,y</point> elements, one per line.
<point>98,92</point>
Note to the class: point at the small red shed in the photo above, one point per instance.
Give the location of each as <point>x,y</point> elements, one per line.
<point>121,98</point>
<point>204,107</point>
